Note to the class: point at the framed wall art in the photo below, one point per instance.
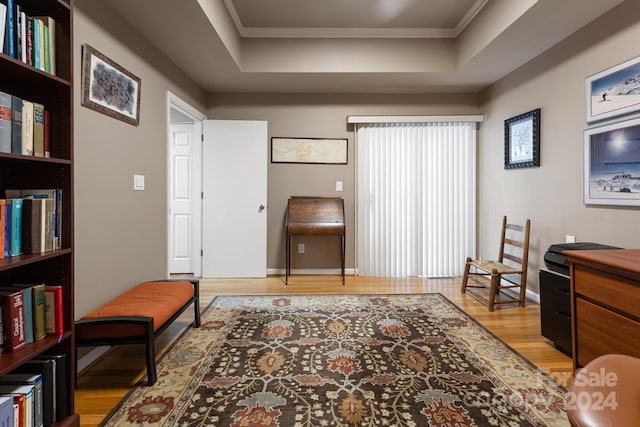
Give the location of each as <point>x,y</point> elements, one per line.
<point>109,88</point>
<point>522,140</point>
<point>309,150</point>
<point>612,164</point>
<point>613,92</point>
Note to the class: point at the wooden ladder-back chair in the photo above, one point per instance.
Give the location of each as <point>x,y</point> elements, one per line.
<point>508,272</point>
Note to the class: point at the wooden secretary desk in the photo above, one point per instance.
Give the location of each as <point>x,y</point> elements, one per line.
<point>605,303</point>
<point>314,216</point>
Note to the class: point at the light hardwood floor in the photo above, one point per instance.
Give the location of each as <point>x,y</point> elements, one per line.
<point>105,383</point>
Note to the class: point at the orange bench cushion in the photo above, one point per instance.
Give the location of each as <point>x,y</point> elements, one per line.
<point>160,300</point>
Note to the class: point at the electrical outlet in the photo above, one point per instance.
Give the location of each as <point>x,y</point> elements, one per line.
<point>338,185</point>
<point>569,238</point>
<point>300,248</point>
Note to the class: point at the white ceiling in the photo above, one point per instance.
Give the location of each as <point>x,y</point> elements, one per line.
<point>355,46</point>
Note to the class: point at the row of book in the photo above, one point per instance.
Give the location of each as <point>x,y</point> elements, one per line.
<point>24,127</point>
<point>30,221</point>
<point>35,394</point>
<point>31,39</point>
<point>29,312</point>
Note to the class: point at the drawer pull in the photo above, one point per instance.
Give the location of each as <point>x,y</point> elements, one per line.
<point>559,313</point>
<point>564,291</point>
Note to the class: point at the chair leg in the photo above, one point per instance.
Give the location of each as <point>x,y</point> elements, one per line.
<point>493,291</point>
<point>523,291</point>
<point>465,276</point>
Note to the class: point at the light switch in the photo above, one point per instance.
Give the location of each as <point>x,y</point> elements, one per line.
<point>338,185</point>
<point>138,182</point>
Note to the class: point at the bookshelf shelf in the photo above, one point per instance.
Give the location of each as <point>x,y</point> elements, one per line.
<point>23,172</point>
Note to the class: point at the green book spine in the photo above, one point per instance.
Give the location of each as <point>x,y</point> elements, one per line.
<point>38,130</point>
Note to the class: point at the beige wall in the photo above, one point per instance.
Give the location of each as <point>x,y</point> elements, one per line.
<point>121,235</point>
<point>551,195</point>
<point>323,116</point>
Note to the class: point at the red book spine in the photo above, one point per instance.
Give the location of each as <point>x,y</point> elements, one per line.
<point>13,321</point>
<point>53,310</point>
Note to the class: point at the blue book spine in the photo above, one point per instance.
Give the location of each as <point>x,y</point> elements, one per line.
<point>6,411</point>
<point>7,230</point>
<point>16,125</point>
<point>10,35</point>
<point>16,227</point>
<point>27,298</point>
<point>36,43</point>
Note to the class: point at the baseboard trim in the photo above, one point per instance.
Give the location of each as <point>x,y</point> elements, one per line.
<point>91,357</point>
<point>311,271</point>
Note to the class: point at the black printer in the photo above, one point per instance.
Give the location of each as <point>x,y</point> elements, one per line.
<point>556,261</point>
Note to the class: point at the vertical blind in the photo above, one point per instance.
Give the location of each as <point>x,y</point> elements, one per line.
<point>416,201</point>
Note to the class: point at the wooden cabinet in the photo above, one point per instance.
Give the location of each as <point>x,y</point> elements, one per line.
<point>605,303</point>
<point>19,171</point>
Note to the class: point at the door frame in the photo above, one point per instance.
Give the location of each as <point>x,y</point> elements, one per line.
<point>175,103</point>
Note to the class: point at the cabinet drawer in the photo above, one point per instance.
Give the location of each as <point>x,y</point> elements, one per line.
<point>601,331</point>
<point>614,291</point>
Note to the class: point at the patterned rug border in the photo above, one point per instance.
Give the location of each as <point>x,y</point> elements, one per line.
<point>213,304</point>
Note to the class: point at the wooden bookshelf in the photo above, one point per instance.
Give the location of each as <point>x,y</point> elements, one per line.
<point>18,171</point>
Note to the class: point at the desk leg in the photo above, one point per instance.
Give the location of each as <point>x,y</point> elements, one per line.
<point>287,259</point>
<point>342,247</point>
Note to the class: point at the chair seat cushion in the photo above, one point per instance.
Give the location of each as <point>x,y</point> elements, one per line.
<point>160,300</point>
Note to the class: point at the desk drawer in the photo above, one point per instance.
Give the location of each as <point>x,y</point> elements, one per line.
<point>613,291</point>
<point>601,331</point>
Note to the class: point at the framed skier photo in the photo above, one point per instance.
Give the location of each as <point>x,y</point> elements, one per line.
<point>613,92</point>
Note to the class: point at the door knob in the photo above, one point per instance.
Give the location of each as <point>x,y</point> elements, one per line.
<point>261,208</point>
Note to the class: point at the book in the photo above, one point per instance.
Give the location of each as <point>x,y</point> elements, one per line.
<point>22,33</point>
<point>3,204</point>
<point>16,124</point>
<point>29,40</point>
<point>34,380</point>
<point>37,28</point>
<point>49,43</point>
<point>46,368</point>
<point>48,240</point>
<point>33,227</point>
<point>10,29</point>
<point>7,228</point>
<point>53,193</point>
<point>61,376</point>
<point>54,320</point>
<point>3,22</point>
<point>16,227</point>
<point>38,129</point>
<point>38,299</point>
<point>5,122</point>
<point>6,411</point>
<point>27,309</point>
<point>47,134</point>
<point>18,23</point>
<point>19,408</point>
<point>28,403</point>
<point>12,320</point>
<point>27,128</point>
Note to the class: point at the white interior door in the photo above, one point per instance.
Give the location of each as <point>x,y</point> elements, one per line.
<point>181,193</point>
<point>234,182</point>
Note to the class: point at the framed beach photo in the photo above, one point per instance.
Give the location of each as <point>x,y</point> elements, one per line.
<point>613,92</point>
<point>612,164</point>
<point>522,140</point>
<point>109,88</point>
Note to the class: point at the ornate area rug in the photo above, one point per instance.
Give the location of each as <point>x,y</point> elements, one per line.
<point>383,360</point>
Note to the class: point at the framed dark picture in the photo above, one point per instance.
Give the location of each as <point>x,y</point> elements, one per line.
<point>108,88</point>
<point>612,164</point>
<point>614,91</point>
<point>522,140</point>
